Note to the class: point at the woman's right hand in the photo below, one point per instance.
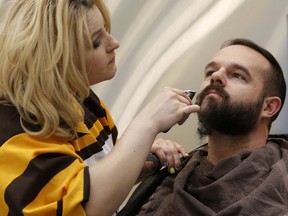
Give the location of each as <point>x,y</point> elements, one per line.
<point>169,106</point>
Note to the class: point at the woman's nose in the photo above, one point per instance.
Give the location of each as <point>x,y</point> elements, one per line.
<point>113,44</point>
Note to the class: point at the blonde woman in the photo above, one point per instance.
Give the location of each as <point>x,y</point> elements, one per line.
<point>57,138</point>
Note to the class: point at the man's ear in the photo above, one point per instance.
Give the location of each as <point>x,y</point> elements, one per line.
<point>271,106</point>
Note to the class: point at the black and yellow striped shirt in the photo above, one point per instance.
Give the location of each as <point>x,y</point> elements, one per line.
<point>50,176</point>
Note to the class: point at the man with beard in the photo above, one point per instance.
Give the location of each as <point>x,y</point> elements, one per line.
<point>242,170</point>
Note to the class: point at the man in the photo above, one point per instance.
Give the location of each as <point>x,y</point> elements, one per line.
<point>241,170</point>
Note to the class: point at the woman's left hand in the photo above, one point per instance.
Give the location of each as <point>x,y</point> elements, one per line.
<point>169,154</point>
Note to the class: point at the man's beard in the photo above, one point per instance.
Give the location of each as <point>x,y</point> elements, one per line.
<point>222,116</point>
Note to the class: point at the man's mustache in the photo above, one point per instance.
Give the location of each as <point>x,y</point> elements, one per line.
<point>219,89</point>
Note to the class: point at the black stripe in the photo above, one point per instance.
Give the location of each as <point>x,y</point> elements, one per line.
<point>38,173</point>
<point>59,208</point>
<point>90,150</point>
<point>93,109</point>
<point>86,186</point>
<point>10,123</point>
<point>90,118</point>
<point>114,133</point>
<point>79,134</point>
<point>95,147</point>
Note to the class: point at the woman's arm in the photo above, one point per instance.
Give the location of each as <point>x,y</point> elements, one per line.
<point>114,176</point>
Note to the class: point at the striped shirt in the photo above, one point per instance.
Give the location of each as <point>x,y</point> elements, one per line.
<point>50,176</point>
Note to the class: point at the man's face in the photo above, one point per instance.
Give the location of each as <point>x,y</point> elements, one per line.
<point>231,97</point>
<point>234,119</point>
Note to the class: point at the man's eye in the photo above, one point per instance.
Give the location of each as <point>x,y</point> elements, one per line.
<point>209,73</point>
<point>238,76</point>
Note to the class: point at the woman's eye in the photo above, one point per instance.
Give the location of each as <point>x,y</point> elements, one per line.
<point>96,44</point>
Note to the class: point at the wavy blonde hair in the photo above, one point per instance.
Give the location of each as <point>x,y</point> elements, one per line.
<point>39,41</point>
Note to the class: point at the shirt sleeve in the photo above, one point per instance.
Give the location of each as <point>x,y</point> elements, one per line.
<point>45,178</point>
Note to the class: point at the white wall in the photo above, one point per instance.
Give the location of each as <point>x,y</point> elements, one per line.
<point>168,43</point>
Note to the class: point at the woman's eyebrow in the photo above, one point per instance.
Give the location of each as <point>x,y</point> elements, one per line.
<point>96,32</point>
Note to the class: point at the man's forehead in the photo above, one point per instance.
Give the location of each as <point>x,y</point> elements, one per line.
<point>240,50</point>
<point>242,55</point>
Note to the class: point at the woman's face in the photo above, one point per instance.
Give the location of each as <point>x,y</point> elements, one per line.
<point>100,60</point>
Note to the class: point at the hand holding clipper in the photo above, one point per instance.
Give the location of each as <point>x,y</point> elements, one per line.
<point>191,94</point>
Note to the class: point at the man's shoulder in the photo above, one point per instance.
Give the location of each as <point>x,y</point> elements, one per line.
<point>281,136</point>
<point>279,141</point>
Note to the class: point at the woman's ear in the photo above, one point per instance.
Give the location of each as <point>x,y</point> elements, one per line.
<point>272,106</point>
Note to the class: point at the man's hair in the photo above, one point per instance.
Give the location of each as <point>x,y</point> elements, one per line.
<point>275,82</point>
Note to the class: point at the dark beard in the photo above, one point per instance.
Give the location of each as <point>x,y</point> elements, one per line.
<point>232,119</point>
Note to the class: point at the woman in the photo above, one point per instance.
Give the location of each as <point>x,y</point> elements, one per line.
<point>57,137</point>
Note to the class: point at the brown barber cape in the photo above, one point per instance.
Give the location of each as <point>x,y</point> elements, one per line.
<point>248,183</point>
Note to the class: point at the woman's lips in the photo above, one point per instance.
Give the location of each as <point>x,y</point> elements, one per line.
<point>112,61</point>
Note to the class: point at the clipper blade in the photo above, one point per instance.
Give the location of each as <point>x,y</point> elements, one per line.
<point>190,93</point>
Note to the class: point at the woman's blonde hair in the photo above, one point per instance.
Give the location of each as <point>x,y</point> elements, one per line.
<point>40,40</point>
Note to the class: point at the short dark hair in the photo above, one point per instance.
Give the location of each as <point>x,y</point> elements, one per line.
<point>275,84</point>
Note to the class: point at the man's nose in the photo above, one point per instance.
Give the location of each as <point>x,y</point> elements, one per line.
<point>218,78</point>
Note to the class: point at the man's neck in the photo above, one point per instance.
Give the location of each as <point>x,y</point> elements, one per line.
<point>221,146</point>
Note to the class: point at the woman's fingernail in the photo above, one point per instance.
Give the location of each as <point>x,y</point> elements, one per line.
<point>172,170</point>
<point>165,163</point>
